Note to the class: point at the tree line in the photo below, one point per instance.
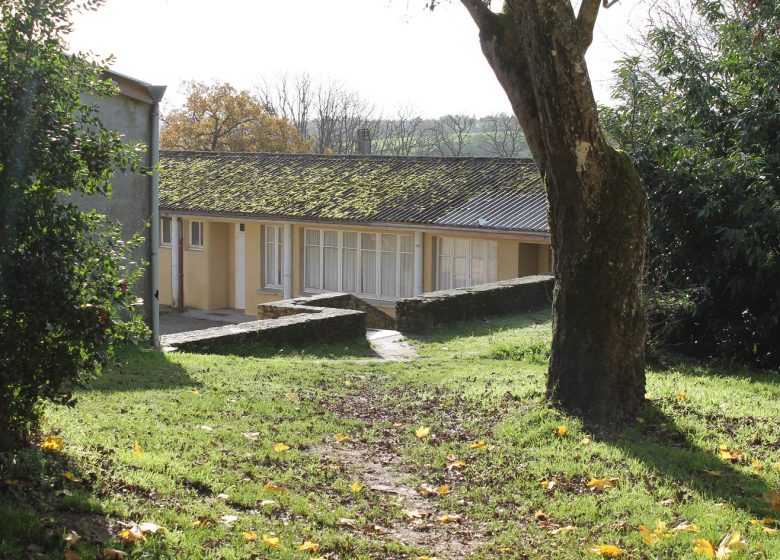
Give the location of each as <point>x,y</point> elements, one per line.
<point>299,114</point>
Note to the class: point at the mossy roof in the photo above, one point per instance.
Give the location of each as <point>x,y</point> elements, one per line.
<point>491,193</point>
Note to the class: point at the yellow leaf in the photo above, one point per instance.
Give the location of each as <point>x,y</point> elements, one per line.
<point>757,465</point>
<point>769,530</point>
<point>422,432</point>
<point>273,487</point>
<point>649,396</point>
<point>112,554</point>
<point>686,527</point>
<point>456,465</point>
<point>136,449</point>
<point>682,396</point>
<point>131,535</point>
<point>204,521</point>
<point>309,546</point>
<point>650,538</point>
<point>356,487</point>
<point>70,476</point>
<point>273,542</point>
<point>704,548</point>
<point>729,544</point>
<point>559,530</point>
<point>601,484</point>
<point>280,447</point>
<point>443,490</point>
<point>250,536</point>
<point>341,438</point>
<point>480,444</point>
<point>51,444</point>
<point>776,466</point>
<point>292,397</point>
<point>607,550</point>
<point>415,514</point>
<point>772,498</point>
<point>585,441</point>
<point>727,454</point>
<point>448,518</point>
<point>547,484</point>
<point>561,430</point>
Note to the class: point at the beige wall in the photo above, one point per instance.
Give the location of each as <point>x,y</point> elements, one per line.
<point>209,273</point>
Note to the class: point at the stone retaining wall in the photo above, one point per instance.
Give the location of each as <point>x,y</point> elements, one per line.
<point>375,319</point>
<point>420,314</point>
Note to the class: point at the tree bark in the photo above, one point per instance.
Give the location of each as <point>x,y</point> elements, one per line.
<point>597,207</point>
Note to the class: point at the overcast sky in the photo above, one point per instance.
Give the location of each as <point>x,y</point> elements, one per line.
<point>390,51</point>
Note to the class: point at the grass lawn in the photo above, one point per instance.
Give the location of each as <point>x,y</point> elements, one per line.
<point>316,454</point>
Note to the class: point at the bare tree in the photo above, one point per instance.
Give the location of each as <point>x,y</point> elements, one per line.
<point>450,135</point>
<point>502,136</point>
<point>289,97</point>
<point>401,136</point>
<point>339,114</point>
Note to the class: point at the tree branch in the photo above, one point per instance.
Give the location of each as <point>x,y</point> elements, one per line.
<point>586,20</point>
<point>480,12</point>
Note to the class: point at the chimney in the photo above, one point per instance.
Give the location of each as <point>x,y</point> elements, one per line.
<point>364,141</point>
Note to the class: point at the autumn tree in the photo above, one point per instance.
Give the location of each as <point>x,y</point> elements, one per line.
<point>218,118</point>
<point>597,207</point>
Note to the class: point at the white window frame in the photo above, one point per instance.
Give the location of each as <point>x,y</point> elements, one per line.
<point>201,230</point>
<point>375,291</point>
<point>448,283</point>
<point>278,248</point>
<point>166,220</point>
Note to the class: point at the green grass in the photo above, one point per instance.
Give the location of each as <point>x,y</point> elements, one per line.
<point>480,380</point>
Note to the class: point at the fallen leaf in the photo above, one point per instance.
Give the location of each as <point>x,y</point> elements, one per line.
<point>450,518</point>
<point>651,537</point>
<point>422,432</point>
<point>149,528</point>
<point>136,449</point>
<point>69,476</point>
<point>71,554</point>
<point>356,487</point>
<point>456,465</point>
<point>72,538</point>
<point>51,444</point>
<point>273,542</point>
<point>727,454</point>
<point>249,536</point>
<point>607,550</point>
<point>399,425</point>
<point>704,548</point>
<point>267,502</point>
<point>131,535</point>
<point>776,466</point>
<point>347,522</point>
<point>415,514</point>
<point>480,444</point>
<point>649,396</point>
<point>769,530</point>
<point>251,436</point>
<point>341,438</point>
<point>713,473</point>
<point>541,516</point>
<point>273,487</point>
<point>281,447</point>
<point>203,520</point>
<point>601,484</point>
<point>309,546</point>
<point>685,527</point>
<point>731,543</point>
<point>560,530</point>
<point>682,396</point>
<point>206,428</point>
<point>547,484</point>
<point>222,496</point>
<point>772,498</point>
<point>443,490</point>
<point>767,521</point>
<point>585,441</point>
<point>292,397</point>
<point>112,554</point>
<point>229,519</point>
<point>561,430</point>
<point>756,465</point>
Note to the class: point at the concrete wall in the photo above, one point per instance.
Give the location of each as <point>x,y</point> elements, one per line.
<point>130,202</point>
<point>166,296</point>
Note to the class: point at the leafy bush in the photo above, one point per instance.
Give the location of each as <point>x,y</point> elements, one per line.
<point>65,291</point>
<point>699,114</point>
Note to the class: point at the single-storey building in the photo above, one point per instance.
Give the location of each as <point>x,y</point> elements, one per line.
<point>240,229</point>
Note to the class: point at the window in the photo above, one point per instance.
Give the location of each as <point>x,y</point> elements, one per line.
<point>370,264</point>
<point>196,235</point>
<point>165,231</point>
<point>274,256</point>
<point>465,262</point>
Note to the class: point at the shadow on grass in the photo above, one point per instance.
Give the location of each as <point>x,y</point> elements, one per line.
<point>141,369</point>
<point>42,497</point>
<point>714,368</point>
<point>662,446</point>
<point>357,348</point>
<point>483,326</point>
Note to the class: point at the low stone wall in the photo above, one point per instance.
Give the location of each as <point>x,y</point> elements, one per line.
<point>420,314</point>
<point>375,319</point>
<point>290,324</point>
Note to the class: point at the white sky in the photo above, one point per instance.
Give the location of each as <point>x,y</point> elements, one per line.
<point>391,52</point>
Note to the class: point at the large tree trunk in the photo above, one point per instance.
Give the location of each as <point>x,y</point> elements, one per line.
<point>597,207</point>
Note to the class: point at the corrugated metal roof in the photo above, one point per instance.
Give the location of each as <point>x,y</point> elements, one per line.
<point>506,194</point>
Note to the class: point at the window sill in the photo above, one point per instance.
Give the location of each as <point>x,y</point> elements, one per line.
<point>196,248</point>
<point>269,290</point>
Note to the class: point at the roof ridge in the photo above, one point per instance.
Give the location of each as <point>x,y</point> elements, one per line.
<point>340,156</point>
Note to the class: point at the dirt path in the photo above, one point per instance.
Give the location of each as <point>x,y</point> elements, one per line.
<point>381,471</point>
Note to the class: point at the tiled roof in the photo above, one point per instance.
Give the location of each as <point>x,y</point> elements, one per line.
<point>491,193</point>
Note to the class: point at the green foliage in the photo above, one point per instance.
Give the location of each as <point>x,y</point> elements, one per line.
<point>700,115</point>
<point>534,351</point>
<point>65,293</point>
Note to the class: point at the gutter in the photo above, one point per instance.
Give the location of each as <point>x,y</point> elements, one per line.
<point>156,92</point>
